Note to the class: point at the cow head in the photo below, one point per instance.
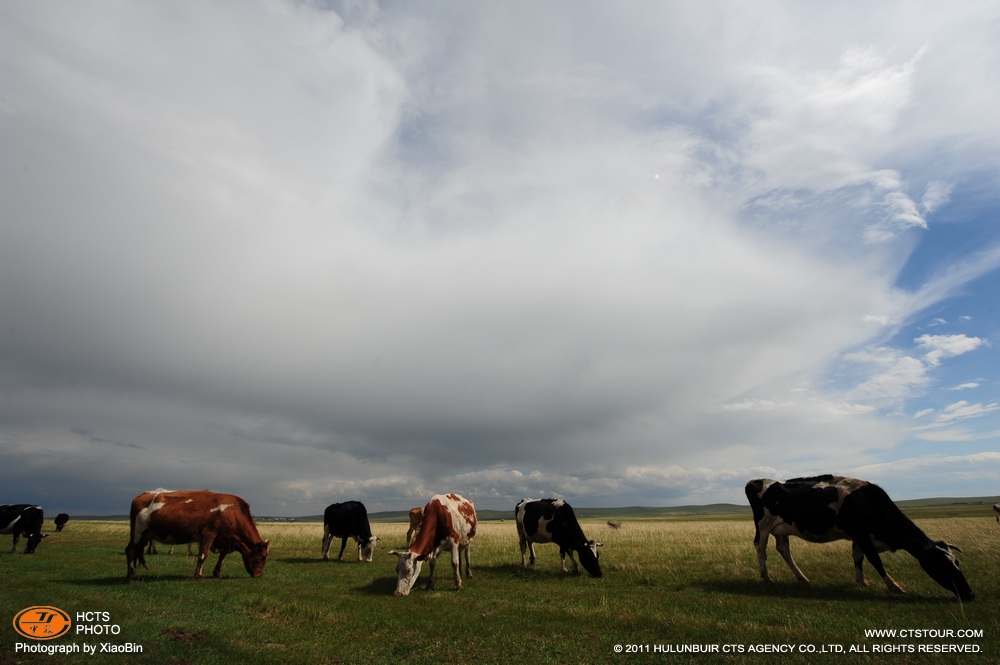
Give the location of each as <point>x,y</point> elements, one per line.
<point>938,562</point>
<point>589,557</point>
<point>407,571</point>
<point>255,558</point>
<point>368,548</point>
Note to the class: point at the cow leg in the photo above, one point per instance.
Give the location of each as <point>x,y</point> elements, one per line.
<point>562,561</point>
<point>205,547</point>
<point>859,559</point>
<point>468,569</point>
<point>14,548</point>
<point>430,581</point>
<point>456,564</point>
<point>133,554</point>
<point>785,550</point>
<point>409,534</point>
<point>343,546</point>
<point>760,546</point>
<point>327,541</point>
<point>572,560</point>
<point>218,564</point>
<point>523,542</point>
<point>868,548</point>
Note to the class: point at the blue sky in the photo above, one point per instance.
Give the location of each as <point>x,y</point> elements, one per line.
<point>311,252</point>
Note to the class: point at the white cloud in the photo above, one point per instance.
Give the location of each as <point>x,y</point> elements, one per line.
<point>963,410</point>
<point>935,196</point>
<point>940,347</point>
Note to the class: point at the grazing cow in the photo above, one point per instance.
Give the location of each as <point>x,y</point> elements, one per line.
<point>61,520</point>
<point>449,522</point>
<point>220,523</point>
<point>553,521</point>
<point>23,519</point>
<point>416,517</point>
<point>996,509</point>
<point>822,509</point>
<point>348,520</point>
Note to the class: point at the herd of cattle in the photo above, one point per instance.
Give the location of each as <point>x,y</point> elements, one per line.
<point>818,509</point>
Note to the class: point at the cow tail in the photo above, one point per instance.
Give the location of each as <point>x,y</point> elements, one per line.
<point>753,490</point>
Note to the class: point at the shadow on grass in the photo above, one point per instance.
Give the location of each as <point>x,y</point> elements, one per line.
<point>826,594</point>
<point>120,580</point>
<point>303,559</point>
<point>384,586</point>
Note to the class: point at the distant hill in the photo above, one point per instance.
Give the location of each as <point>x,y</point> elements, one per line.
<point>633,512</point>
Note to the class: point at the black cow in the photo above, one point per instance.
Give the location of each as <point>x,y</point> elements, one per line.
<point>23,519</point>
<point>825,508</point>
<point>348,520</point>
<point>61,520</point>
<point>553,521</point>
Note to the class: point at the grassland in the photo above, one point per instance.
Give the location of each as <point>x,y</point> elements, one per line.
<point>667,583</point>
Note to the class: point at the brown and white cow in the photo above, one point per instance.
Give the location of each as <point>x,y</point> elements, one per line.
<point>449,522</point>
<point>416,517</point>
<point>996,511</point>
<point>220,523</point>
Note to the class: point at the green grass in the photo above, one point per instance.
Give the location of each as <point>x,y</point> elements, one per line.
<point>686,580</point>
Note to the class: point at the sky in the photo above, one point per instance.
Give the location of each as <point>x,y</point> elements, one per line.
<point>620,254</point>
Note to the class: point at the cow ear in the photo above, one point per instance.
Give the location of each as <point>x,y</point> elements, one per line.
<point>393,552</point>
<point>598,544</point>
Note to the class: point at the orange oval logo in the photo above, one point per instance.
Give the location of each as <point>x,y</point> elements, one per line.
<point>42,622</point>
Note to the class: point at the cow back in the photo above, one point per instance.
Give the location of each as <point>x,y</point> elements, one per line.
<point>348,518</point>
<point>182,516</point>
<point>446,517</point>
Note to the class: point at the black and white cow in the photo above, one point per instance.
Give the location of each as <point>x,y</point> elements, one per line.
<point>348,520</point>
<point>23,519</point>
<point>61,520</point>
<point>553,521</point>
<point>823,509</point>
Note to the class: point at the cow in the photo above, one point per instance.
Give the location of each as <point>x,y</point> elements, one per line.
<point>61,520</point>
<point>996,510</point>
<point>23,519</point>
<point>348,520</point>
<point>553,521</point>
<point>826,508</point>
<point>416,517</point>
<point>449,522</point>
<point>220,523</point>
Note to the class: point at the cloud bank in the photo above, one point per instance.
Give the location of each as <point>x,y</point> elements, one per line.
<point>311,253</point>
